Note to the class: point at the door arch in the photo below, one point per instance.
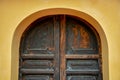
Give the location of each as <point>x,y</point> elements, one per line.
<point>55,11</point>
<point>60,47</point>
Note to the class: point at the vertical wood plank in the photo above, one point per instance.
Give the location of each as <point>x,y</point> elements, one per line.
<point>62,48</point>
<point>56,43</point>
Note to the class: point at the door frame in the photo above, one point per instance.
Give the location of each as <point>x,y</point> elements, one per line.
<point>54,11</point>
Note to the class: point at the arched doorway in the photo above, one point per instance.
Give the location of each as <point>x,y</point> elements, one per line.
<point>60,47</point>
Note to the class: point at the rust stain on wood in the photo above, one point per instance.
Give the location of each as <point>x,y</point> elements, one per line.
<point>59,48</point>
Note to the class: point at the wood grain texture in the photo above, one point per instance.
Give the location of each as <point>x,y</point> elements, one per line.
<point>38,64</point>
<point>37,56</point>
<point>37,77</point>
<point>36,71</point>
<point>82,65</point>
<point>60,47</point>
<point>76,56</point>
<point>57,48</point>
<point>82,77</point>
<point>80,40</point>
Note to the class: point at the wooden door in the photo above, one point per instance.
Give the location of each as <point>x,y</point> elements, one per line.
<point>60,47</point>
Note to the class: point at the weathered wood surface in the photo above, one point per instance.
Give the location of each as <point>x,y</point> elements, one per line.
<point>60,47</point>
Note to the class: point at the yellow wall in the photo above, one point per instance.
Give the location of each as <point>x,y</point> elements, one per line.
<point>106,12</point>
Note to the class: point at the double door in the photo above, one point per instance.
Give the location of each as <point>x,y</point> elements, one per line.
<point>59,47</point>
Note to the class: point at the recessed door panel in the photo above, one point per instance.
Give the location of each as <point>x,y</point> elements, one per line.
<point>81,77</point>
<point>40,39</point>
<point>75,65</point>
<point>38,64</point>
<point>37,77</point>
<point>80,39</point>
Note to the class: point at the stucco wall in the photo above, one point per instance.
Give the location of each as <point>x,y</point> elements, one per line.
<point>106,12</point>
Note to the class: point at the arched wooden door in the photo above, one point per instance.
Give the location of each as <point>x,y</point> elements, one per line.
<point>60,47</point>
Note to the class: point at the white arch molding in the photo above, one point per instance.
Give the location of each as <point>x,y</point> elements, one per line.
<point>55,11</point>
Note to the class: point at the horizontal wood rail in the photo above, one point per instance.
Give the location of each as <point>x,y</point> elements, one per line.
<point>83,72</point>
<point>77,56</point>
<point>37,56</point>
<point>37,71</point>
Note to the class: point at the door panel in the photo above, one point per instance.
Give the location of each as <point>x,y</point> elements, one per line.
<point>81,77</point>
<point>60,47</point>
<point>38,77</point>
<point>78,37</point>
<point>39,51</point>
<point>81,51</point>
<point>40,39</point>
<point>38,64</point>
<point>82,65</point>
<point>80,40</point>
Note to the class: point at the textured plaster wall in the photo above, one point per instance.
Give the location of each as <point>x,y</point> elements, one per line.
<point>106,12</point>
